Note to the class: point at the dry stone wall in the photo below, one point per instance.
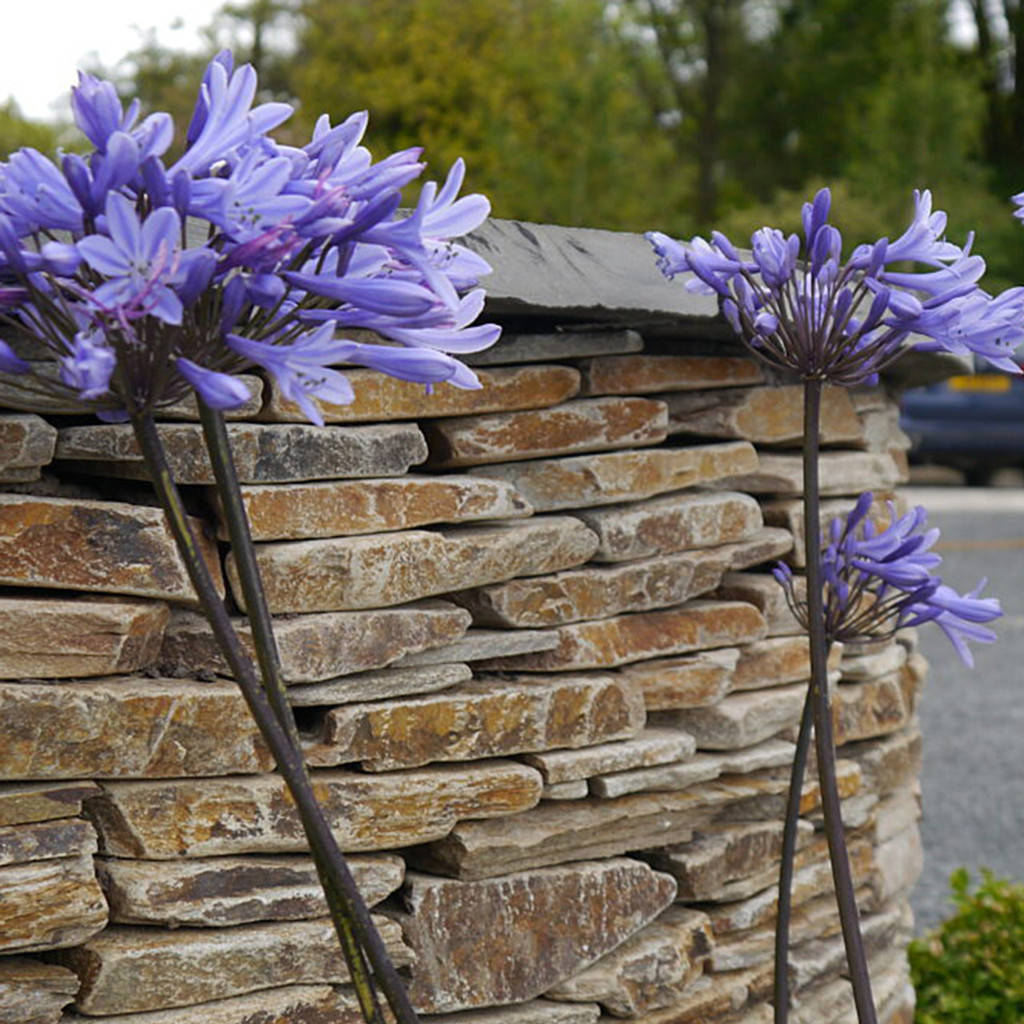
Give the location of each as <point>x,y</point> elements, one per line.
<point>547,685</point>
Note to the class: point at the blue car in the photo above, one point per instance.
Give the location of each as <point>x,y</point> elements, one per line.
<point>973,422</point>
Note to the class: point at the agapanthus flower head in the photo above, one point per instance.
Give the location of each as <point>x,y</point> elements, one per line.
<point>877,581</point>
<point>800,307</point>
<point>242,253</point>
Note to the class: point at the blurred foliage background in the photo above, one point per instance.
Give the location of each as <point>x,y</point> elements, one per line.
<point>631,114</point>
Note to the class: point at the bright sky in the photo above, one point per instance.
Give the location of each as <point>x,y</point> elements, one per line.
<point>44,42</point>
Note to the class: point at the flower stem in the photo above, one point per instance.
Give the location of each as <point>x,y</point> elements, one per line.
<point>822,713</point>
<point>790,834</point>
<point>348,913</point>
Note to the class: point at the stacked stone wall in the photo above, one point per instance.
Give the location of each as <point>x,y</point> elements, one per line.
<point>547,684</point>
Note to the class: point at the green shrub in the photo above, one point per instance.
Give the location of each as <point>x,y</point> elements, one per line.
<point>970,970</point>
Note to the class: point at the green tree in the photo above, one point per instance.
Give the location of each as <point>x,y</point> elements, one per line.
<point>16,131</point>
<point>535,94</point>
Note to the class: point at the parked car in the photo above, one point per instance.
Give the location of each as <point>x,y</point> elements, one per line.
<point>973,422</point>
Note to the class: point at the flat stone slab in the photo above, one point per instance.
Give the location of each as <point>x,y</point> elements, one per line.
<point>384,684</point>
<point>101,546</point>
<point>678,522</point>
<point>776,661</point>
<point>26,802</point>
<point>508,939</point>
<point>841,473</point>
<point>583,425</point>
<point>264,453</point>
<point>379,570</point>
<point>227,817</point>
<point>648,971</point>
<point>535,1011</point>
<point>609,477</point>
<point>554,833</point>
<point>487,717</point>
<point>480,644</point>
<point>889,763</point>
<point>127,727</point>
<point>318,647</point>
<point>46,840</point>
<point>693,681</point>
<point>341,508</point>
<point>290,1004</point>
<point>650,747</point>
<point>763,591</point>
<point>630,638</point>
<point>862,662</point>
<point>878,707</point>
<point>379,397</point>
<point>32,992</point>
<point>49,904</point>
<point>600,591</point>
<point>514,347</point>
<point>132,970</point>
<point>646,374</point>
<point>48,638</point>
<point>210,892</point>
<point>771,415</point>
<point>26,441</point>
<point>723,854</point>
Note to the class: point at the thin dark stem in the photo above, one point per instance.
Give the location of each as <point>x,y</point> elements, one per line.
<point>790,833</point>
<point>823,740</point>
<point>348,912</point>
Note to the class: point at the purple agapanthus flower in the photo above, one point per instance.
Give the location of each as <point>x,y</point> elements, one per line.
<point>243,252</point>
<point>799,307</point>
<point>879,581</point>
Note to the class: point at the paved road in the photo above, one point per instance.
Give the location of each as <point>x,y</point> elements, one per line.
<point>973,721</point>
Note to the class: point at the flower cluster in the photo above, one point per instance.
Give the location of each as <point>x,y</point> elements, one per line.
<point>876,582</point>
<point>143,277</point>
<point>800,307</point>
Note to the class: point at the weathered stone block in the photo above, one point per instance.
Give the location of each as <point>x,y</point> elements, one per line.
<point>629,638</point>
<point>26,441</point>
<point>869,661</point>
<point>899,862</point>
<point>840,473</point>
<point>689,682</point>
<point>580,426</point>
<point>648,971</point>
<point>385,684</point>
<point>46,840</point>
<point>95,545</point>
<point>610,477</point>
<point>771,415</point>
<point>317,647</point>
<point>336,508</point>
<point>536,1011</point>
<point>226,817</point>
<point>587,829</point>
<point>290,1004</point>
<point>132,970</point>
<point>379,397</point>
<point>32,992</point>
<point>678,522</point>
<point>878,707</point>
<point>890,763</point>
<point>264,453</point>
<point>508,939</point>
<point>481,644</point>
<point>649,747</point>
<point>25,802</point>
<point>48,904</point>
<point>596,592</point>
<point>777,660</point>
<point>484,718</point>
<point>377,570</point>
<point>127,727</point>
<point>216,891</point>
<point>762,591</point>
<point>48,638</point>
<point>514,347</point>
<point>643,374</point>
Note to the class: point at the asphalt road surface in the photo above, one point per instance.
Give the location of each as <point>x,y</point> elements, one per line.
<point>973,720</point>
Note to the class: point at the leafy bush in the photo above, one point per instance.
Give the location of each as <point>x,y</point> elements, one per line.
<point>970,970</point>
